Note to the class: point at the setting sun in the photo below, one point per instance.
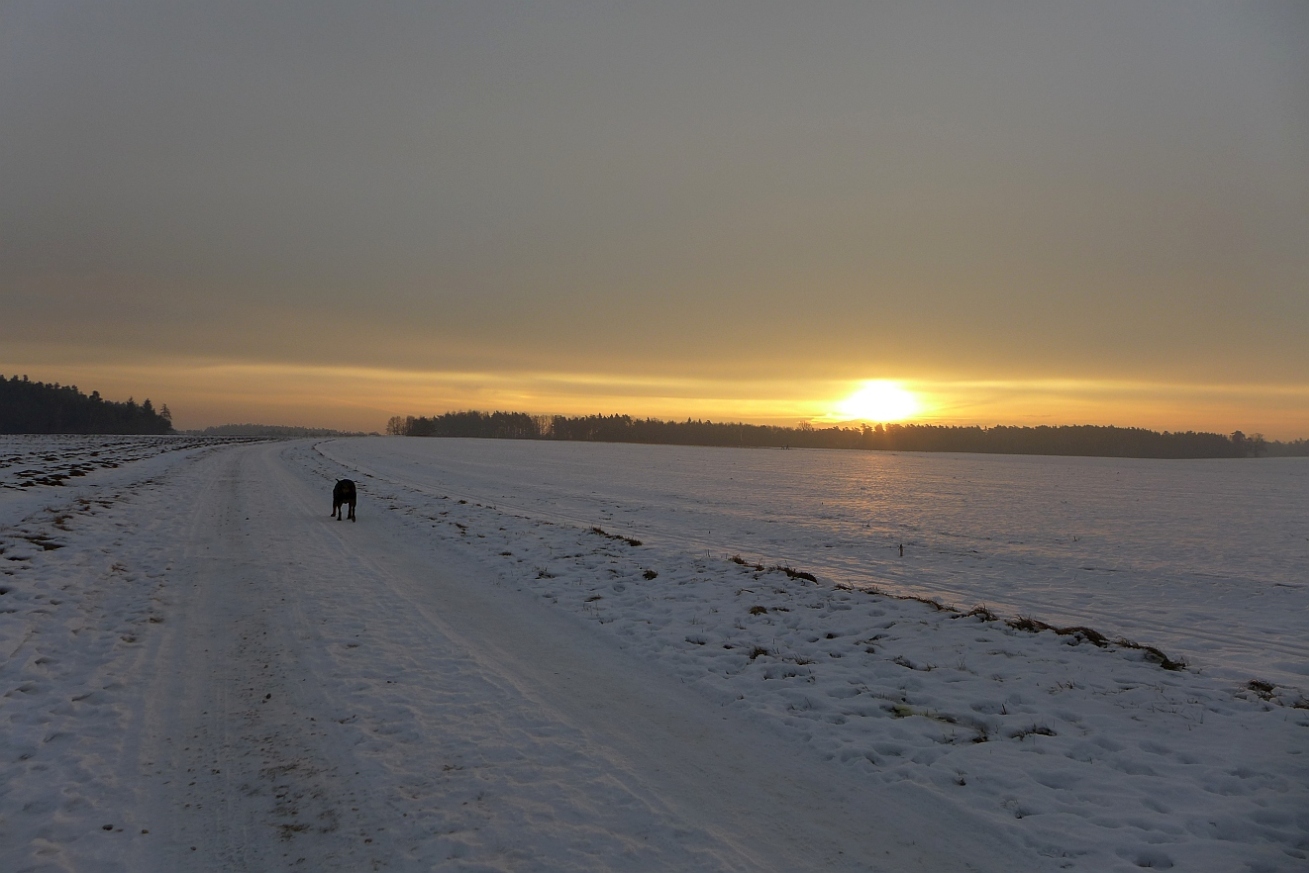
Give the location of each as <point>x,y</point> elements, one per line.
<point>880,401</point>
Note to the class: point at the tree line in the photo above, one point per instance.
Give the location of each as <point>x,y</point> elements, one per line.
<point>38,407</point>
<point>1290,449</point>
<point>1087,440</point>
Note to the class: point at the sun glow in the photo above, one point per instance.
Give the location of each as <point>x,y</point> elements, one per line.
<point>880,401</point>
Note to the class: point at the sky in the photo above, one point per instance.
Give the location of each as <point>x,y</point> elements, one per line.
<point>326,213</point>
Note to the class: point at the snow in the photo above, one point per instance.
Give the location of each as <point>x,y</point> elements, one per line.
<point>1209,558</point>
<point>201,670</point>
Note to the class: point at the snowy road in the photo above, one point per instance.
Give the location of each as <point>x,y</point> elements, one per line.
<point>296,693</point>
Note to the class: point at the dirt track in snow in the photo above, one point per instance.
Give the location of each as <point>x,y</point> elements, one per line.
<point>291,692</point>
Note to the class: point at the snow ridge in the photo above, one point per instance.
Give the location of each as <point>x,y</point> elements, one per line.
<point>1095,757</point>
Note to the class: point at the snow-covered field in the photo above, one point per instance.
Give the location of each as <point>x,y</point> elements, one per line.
<point>487,672</point>
<point>1206,558</point>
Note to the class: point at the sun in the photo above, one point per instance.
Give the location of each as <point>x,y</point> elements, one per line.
<point>880,401</point>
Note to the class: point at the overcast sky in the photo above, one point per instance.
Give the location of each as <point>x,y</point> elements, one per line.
<point>329,213</point>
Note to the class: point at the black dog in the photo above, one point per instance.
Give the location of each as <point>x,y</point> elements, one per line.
<point>343,493</point>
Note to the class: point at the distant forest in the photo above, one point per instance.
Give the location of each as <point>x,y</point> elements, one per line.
<point>1087,440</point>
<point>1292,449</point>
<point>37,407</point>
<point>275,431</point>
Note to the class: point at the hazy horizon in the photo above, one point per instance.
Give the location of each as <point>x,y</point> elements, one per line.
<point>818,422</point>
<point>327,214</point>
